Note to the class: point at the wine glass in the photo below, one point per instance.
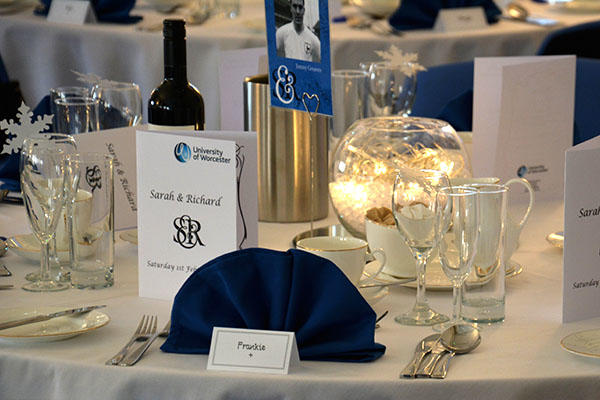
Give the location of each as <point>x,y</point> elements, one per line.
<point>44,179</point>
<point>458,246</point>
<point>120,104</point>
<point>64,144</point>
<point>391,90</point>
<point>420,224</point>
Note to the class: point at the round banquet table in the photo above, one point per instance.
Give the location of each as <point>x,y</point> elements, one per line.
<point>41,55</point>
<point>519,359</point>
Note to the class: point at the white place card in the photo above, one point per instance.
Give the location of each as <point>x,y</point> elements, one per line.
<point>235,65</point>
<point>460,19</point>
<point>581,256</point>
<point>118,143</point>
<point>246,162</point>
<point>249,350</point>
<point>71,12</point>
<point>187,204</point>
<point>523,111</point>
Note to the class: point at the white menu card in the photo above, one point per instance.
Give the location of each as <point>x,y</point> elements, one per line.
<point>523,111</point>
<point>187,206</point>
<point>119,143</point>
<point>581,257</point>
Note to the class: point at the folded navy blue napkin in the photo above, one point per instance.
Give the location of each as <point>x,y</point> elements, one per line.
<point>292,291</point>
<point>421,14</point>
<point>115,11</point>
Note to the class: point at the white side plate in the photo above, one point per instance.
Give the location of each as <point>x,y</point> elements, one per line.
<point>52,330</point>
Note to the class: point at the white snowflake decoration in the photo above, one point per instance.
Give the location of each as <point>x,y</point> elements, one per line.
<point>407,62</point>
<point>17,132</point>
<point>91,79</point>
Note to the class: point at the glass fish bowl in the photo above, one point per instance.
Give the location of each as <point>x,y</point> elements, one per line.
<point>371,151</point>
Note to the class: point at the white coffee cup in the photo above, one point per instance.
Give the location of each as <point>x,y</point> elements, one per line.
<point>82,216</point>
<point>399,260</point>
<point>348,253</point>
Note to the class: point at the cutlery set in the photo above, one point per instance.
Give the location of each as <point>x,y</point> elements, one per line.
<point>145,334</point>
<point>433,353</point>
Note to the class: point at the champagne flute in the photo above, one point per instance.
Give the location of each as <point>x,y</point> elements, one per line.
<point>44,179</point>
<point>458,246</point>
<point>420,224</point>
<point>66,145</point>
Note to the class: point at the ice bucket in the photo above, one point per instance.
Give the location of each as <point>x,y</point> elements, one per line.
<point>285,141</point>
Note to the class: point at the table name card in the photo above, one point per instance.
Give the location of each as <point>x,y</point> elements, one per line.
<point>523,110</point>
<point>187,207</point>
<point>118,143</point>
<point>581,256</point>
<point>460,19</point>
<point>249,350</point>
<point>71,12</point>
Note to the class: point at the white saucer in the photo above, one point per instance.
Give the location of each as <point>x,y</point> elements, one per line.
<point>436,280</point>
<point>374,294</point>
<point>556,239</point>
<point>52,330</point>
<point>27,246</point>
<point>578,6</point>
<point>130,236</point>
<point>583,343</point>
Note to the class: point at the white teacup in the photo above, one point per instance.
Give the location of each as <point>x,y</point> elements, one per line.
<point>82,216</point>
<point>348,253</point>
<point>399,260</point>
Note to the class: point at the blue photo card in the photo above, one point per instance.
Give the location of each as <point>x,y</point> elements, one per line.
<point>299,56</point>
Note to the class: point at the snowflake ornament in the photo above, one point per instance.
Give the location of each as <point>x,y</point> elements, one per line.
<point>17,132</point>
<point>407,62</point>
<point>91,79</point>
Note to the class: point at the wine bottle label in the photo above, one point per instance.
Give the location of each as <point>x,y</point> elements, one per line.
<point>154,127</point>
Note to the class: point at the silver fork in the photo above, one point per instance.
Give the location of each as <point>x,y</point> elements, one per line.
<point>141,333</point>
<point>137,353</point>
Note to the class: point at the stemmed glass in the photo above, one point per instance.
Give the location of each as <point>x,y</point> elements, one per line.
<point>419,222</point>
<point>391,90</point>
<point>458,246</point>
<point>64,144</point>
<point>120,104</point>
<point>44,178</point>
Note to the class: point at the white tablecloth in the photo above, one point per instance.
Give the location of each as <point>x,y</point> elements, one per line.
<point>519,359</point>
<point>41,55</point>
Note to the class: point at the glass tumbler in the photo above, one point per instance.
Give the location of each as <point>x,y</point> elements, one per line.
<point>76,115</point>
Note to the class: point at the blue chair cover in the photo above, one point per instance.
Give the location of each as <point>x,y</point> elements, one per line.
<point>264,289</point>
<point>581,40</point>
<point>3,73</point>
<point>421,14</point>
<point>115,11</point>
<point>446,92</point>
<point>587,100</point>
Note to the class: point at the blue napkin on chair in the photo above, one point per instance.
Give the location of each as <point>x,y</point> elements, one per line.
<point>421,14</point>
<point>115,11</point>
<point>292,291</point>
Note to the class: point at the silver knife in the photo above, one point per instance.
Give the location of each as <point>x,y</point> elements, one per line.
<point>46,317</point>
<point>437,351</point>
<point>138,352</point>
